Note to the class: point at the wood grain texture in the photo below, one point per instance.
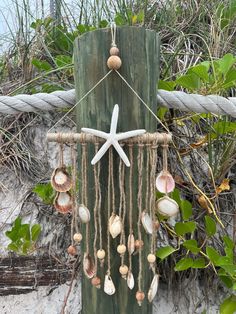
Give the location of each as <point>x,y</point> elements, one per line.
<point>139,51</point>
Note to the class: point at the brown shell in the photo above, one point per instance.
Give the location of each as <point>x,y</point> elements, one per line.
<point>96,281</point>
<point>88,266</point>
<point>72,250</point>
<point>63,202</point>
<point>60,180</point>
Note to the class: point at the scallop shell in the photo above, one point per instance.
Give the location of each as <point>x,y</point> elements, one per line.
<point>131,244</point>
<point>61,180</point>
<point>130,280</point>
<point>88,266</point>
<point>147,222</point>
<point>165,182</point>
<point>109,287</point>
<point>153,288</point>
<point>115,226</point>
<point>84,213</point>
<point>63,202</point>
<point>167,207</point>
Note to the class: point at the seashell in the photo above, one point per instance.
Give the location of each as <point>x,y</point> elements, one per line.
<point>109,287</point>
<point>96,282</point>
<point>84,213</point>
<point>165,182</point>
<point>130,244</point>
<point>60,180</point>
<point>115,225</point>
<point>63,202</point>
<point>130,280</point>
<point>88,266</point>
<point>153,288</point>
<point>147,222</point>
<point>167,207</point>
<point>140,297</point>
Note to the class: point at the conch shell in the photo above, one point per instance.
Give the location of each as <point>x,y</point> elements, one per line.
<point>115,225</point>
<point>88,266</point>
<point>167,207</point>
<point>165,182</point>
<point>147,222</point>
<point>84,213</point>
<point>109,287</point>
<point>153,288</point>
<point>60,180</point>
<point>63,202</point>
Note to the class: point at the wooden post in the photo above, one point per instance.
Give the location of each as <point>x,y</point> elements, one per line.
<point>139,51</point>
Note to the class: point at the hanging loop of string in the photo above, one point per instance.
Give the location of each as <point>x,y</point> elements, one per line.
<point>113,34</point>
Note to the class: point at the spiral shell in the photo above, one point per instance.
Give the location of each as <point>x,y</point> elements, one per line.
<point>115,225</point>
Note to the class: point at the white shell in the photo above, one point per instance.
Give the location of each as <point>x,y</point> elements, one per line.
<point>167,207</point>
<point>88,266</point>
<point>153,288</point>
<point>61,180</point>
<point>165,182</point>
<point>84,214</point>
<point>115,226</point>
<point>147,222</point>
<point>130,280</point>
<point>130,244</point>
<point>109,287</point>
<point>63,202</point>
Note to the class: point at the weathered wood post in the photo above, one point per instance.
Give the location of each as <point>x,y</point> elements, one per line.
<point>139,51</point>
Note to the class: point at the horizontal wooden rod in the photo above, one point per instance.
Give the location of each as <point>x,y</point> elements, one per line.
<point>147,138</point>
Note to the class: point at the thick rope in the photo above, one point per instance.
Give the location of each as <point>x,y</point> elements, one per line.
<point>63,99</point>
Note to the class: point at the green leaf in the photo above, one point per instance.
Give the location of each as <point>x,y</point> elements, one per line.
<point>182,228</point>
<point>161,112</point>
<point>189,81</point>
<point>45,192</point>
<point>12,234</point>
<point>225,63</point>
<point>212,254</point>
<point>228,242</point>
<point>191,245</point>
<point>229,305</point>
<point>230,269</point>
<point>17,223</point>
<point>184,264</point>
<point>201,70</point>
<point>62,60</point>
<point>186,209</point>
<point>25,247</point>
<point>210,226</point>
<point>227,281</point>
<point>35,232</point>
<point>199,263</point>
<point>13,247</point>
<point>166,85</point>
<point>176,196</point>
<point>42,65</point>
<point>224,260</point>
<point>24,232</point>
<point>163,252</point>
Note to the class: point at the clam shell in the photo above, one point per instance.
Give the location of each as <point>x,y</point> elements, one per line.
<point>147,222</point>
<point>61,180</point>
<point>88,266</point>
<point>165,182</point>
<point>153,288</point>
<point>130,280</point>
<point>63,202</point>
<point>84,213</point>
<point>131,244</point>
<point>109,287</point>
<point>115,226</point>
<point>167,207</point>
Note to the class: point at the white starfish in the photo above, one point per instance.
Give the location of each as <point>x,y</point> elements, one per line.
<point>112,138</point>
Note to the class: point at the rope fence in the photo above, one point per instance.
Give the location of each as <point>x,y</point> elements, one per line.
<point>66,99</point>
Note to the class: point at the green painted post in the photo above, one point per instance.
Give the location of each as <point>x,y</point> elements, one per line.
<point>139,51</point>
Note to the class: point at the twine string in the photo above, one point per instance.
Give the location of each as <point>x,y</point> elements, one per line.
<point>140,189</point>
<point>84,190</point>
<point>95,211</point>
<point>109,211</point>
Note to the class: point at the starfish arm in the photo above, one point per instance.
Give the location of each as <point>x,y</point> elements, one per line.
<point>129,134</point>
<point>101,152</point>
<point>114,120</point>
<point>120,151</point>
<point>96,133</point>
